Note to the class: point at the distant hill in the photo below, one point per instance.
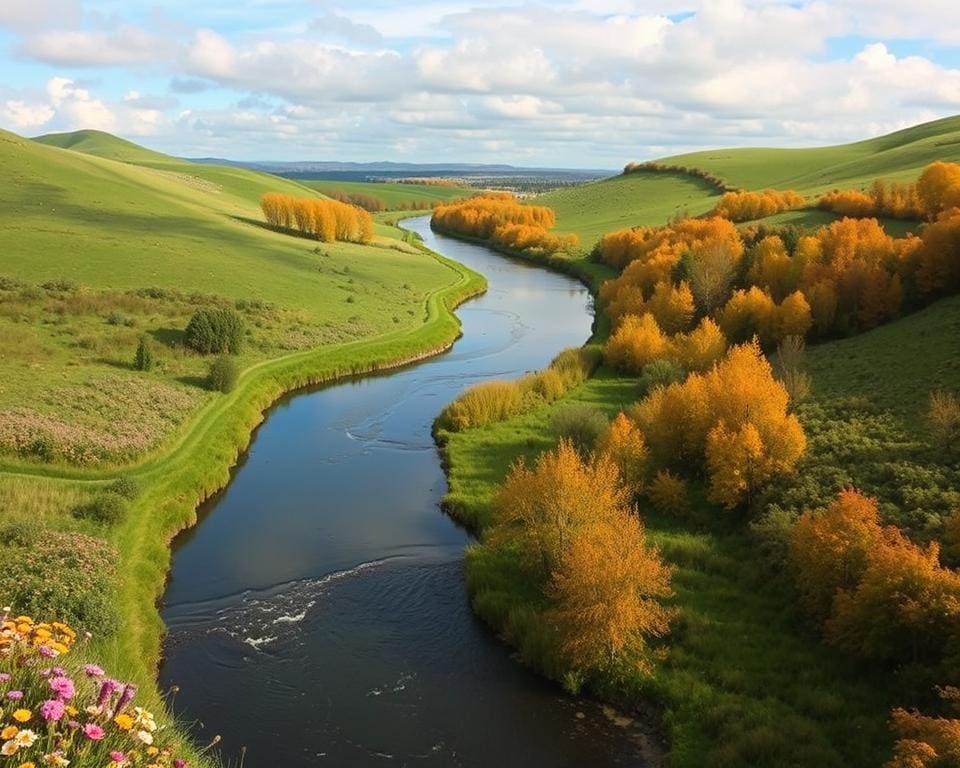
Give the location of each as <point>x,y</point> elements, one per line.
<point>648,199</point>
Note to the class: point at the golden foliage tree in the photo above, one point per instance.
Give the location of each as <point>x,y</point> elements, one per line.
<point>668,494</point>
<point>699,349</point>
<point>607,588</point>
<point>623,442</point>
<point>637,342</point>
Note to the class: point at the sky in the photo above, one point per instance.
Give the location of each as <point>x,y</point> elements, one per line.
<point>565,83</point>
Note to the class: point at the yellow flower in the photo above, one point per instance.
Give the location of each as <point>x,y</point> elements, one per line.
<point>9,732</point>
<point>72,711</point>
<point>152,751</point>
<point>124,721</point>
<point>9,748</point>
<point>22,715</point>
<point>27,765</point>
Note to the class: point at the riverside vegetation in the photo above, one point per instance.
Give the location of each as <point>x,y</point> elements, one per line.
<point>789,594</point>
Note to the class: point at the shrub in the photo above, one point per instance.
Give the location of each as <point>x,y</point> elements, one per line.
<point>126,487</point>
<point>943,419</point>
<point>107,508</point>
<point>579,423</point>
<point>214,331</point>
<point>545,385</point>
<point>223,374</point>
<point>791,365</point>
<point>668,494</point>
<point>143,359</point>
<point>659,373</point>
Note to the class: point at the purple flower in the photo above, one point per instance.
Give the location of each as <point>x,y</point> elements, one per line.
<point>58,671</point>
<point>14,695</point>
<point>93,670</point>
<point>93,731</point>
<point>4,677</point>
<point>107,689</point>
<point>73,725</point>
<point>46,651</point>
<point>127,696</point>
<point>63,687</point>
<point>51,709</point>
<point>179,763</point>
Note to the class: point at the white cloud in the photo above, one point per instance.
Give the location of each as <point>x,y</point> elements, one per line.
<point>124,45</point>
<point>25,116</point>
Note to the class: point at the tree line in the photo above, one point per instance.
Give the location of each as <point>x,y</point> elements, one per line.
<point>323,219</point>
<point>935,192</point>
<point>504,221</point>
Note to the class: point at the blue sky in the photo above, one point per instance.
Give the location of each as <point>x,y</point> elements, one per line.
<point>573,83</point>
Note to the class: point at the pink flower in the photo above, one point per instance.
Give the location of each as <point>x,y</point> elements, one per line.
<point>14,695</point>
<point>93,670</point>
<point>52,709</point>
<point>63,687</point>
<point>179,763</point>
<point>46,651</point>
<point>4,677</point>
<point>93,731</point>
<point>118,757</point>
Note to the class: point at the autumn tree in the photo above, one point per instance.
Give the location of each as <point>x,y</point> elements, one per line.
<point>939,188</point>
<point>749,313</point>
<point>607,589</point>
<point>943,420</point>
<point>637,342</point>
<point>541,509</point>
<point>668,494</point>
<point>672,306</point>
<point>712,268</point>
<point>923,741</point>
<point>624,444</point>
<point>699,349</point>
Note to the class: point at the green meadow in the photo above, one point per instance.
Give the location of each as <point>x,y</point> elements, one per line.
<point>395,196</point>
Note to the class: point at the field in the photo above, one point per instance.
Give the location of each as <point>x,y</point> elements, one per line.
<point>395,196</point>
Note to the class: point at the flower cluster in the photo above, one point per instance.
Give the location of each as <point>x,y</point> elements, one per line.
<point>72,713</point>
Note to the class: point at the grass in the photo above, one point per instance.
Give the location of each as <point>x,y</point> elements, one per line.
<point>395,196</point>
<point>898,156</point>
<point>642,199</point>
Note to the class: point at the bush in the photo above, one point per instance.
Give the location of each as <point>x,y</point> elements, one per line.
<point>659,373</point>
<point>107,508</point>
<point>668,494</point>
<point>214,331</point>
<point>223,374</point>
<point>143,359</point>
<point>126,487</point>
<point>943,420</point>
<point>581,424</point>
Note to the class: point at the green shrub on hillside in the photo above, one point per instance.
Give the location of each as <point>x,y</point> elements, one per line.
<point>143,359</point>
<point>579,423</point>
<point>108,508</point>
<point>214,331</point>
<point>223,374</point>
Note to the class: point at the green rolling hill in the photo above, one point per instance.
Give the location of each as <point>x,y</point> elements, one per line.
<point>648,199</point>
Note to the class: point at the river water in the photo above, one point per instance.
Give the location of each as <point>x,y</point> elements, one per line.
<point>317,614</point>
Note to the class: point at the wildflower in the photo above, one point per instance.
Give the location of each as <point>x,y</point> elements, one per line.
<point>47,652</point>
<point>179,763</point>
<point>124,722</point>
<point>4,677</point>
<point>14,695</point>
<point>52,709</point>
<point>56,759</point>
<point>9,748</point>
<point>63,687</point>
<point>127,696</point>
<point>152,751</point>
<point>9,732</point>
<point>145,736</point>
<point>25,738</point>
<point>93,670</point>
<point>28,765</point>
<point>118,757</point>
<point>93,710</point>
<point>73,725</point>
<point>22,715</point>
<point>72,711</point>
<point>93,732</point>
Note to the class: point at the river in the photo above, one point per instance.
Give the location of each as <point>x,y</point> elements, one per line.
<point>317,614</point>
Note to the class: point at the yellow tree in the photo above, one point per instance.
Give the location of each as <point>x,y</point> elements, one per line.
<point>623,442</point>
<point>702,347</point>
<point>607,589</point>
<point>672,306</point>
<point>636,342</point>
<point>541,509</point>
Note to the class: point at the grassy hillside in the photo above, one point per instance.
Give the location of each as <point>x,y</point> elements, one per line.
<point>642,199</point>
<point>395,196</point>
<point>899,156</point>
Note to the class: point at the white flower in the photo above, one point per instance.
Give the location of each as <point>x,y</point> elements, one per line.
<point>25,738</point>
<point>145,736</point>
<point>9,748</point>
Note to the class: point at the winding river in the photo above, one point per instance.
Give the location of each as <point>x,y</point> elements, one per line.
<point>317,614</point>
